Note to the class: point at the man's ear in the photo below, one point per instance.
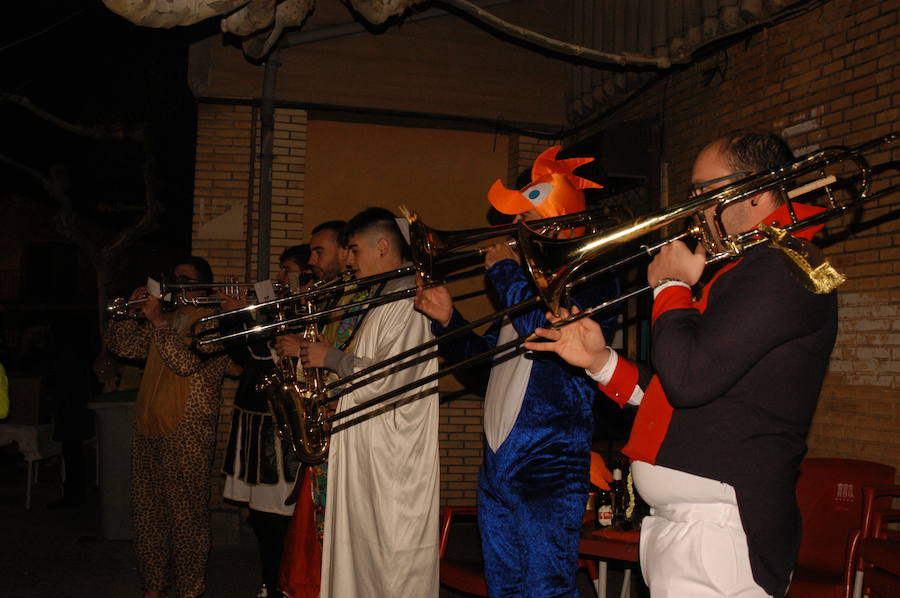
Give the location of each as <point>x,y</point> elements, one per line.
<point>768,200</point>
<point>383,246</point>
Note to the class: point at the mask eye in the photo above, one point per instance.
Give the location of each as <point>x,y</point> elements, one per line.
<point>537,193</point>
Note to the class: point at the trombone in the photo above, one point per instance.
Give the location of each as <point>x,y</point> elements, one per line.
<point>436,256</point>
<point>554,263</point>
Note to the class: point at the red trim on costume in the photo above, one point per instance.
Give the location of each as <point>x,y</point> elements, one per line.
<point>621,385</point>
<point>655,414</point>
<point>301,561</point>
<point>675,296</point>
<point>650,424</point>
<point>782,217</point>
<point>701,303</point>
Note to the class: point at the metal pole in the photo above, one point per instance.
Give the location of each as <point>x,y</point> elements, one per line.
<point>267,144</point>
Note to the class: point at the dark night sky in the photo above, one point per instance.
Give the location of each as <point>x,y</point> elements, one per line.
<point>80,61</point>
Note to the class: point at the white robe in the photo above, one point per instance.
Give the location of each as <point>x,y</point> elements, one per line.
<point>382,510</point>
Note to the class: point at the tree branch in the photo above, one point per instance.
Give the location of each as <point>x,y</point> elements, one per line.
<point>44,181</point>
<point>65,217</point>
<point>83,131</point>
<point>555,45</point>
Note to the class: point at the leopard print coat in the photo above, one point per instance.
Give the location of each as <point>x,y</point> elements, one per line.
<point>170,484</point>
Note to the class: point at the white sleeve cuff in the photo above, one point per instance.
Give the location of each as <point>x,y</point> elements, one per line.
<point>671,283</point>
<point>605,374</point>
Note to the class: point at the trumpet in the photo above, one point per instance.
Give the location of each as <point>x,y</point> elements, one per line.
<point>173,294</point>
<point>120,308</point>
<point>230,287</point>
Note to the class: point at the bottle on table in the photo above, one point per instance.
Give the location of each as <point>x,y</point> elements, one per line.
<point>604,509</point>
<point>619,496</point>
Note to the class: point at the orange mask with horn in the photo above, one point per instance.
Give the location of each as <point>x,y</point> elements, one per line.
<point>553,191</point>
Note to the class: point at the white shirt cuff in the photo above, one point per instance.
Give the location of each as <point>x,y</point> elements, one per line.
<point>671,283</point>
<point>605,374</point>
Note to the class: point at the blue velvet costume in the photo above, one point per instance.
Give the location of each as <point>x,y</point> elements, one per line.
<point>532,491</point>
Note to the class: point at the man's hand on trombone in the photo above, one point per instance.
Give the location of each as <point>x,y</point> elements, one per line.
<point>434,302</point>
<point>676,261</point>
<point>288,345</point>
<point>312,355</point>
<point>580,343</point>
<point>498,252</point>
<point>231,303</point>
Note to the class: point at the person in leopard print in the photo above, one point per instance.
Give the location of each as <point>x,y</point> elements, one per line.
<point>174,439</point>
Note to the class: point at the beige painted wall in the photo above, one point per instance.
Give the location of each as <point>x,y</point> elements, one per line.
<point>442,175</point>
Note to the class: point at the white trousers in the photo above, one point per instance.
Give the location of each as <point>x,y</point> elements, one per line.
<point>693,543</point>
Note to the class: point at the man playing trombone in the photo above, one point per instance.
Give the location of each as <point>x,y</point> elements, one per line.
<point>723,416</point>
<point>300,574</point>
<point>538,424</point>
<point>381,516</point>
<point>260,468</point>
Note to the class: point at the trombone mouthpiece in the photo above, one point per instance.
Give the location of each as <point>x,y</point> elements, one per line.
<point>406,213</point>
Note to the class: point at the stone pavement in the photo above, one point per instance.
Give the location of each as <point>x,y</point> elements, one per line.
<point>60,553</point>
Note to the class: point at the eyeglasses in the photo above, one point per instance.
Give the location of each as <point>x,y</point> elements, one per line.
<point>697,188</point>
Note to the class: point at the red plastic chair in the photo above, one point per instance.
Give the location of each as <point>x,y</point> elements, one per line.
<point>829,492</point>
<point>875,549</point>
<point>464,576</point>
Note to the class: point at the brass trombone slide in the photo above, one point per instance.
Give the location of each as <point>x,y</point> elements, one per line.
<point>318,315</point>
<point>749,239</point>
<point>433,252</point>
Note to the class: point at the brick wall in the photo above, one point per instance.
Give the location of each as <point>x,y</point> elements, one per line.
<point>828,77</point>
<point>225,149</point>
<point>523,151</point>
<point>460,450</point>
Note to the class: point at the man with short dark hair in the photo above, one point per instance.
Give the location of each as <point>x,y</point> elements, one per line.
<point>294,261</point>
<point>261,467</point>
<point>723,416</point>
<point>325,250</point>
<point>381,519</point>
<point>301,563</point>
